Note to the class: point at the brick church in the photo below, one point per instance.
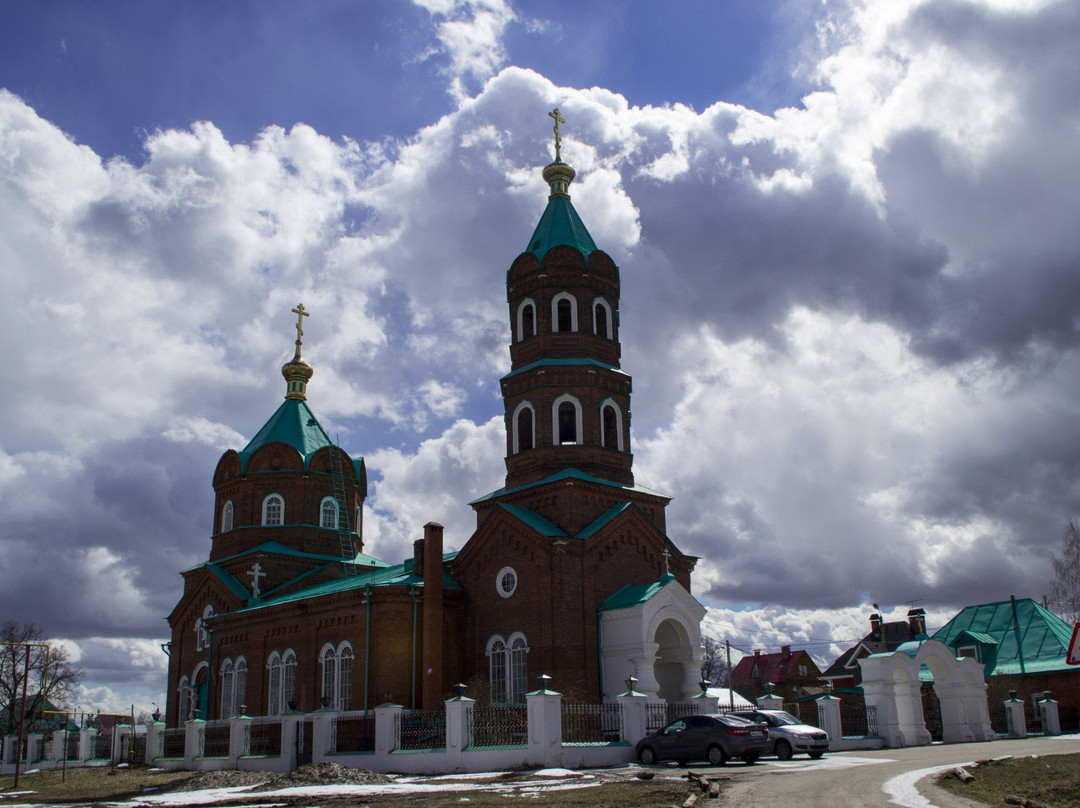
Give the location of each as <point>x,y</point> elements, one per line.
<point>569,572</point>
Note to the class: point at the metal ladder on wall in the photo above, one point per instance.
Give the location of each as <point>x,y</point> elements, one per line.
<point>337,474</point>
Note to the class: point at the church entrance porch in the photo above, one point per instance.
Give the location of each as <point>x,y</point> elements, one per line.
<point>653,634</point>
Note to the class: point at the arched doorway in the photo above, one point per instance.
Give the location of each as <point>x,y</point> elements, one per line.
<point>672,655</point>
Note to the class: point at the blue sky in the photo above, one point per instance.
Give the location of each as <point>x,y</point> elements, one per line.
<point>848,249</point>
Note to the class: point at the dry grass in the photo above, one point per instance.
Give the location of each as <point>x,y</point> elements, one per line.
<point>98,785</point>
<point>1052,780</point>
<point>87,784</point>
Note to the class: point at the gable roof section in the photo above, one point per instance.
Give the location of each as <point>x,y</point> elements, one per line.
<point>277,548</point>
<point>568,474</point>
<point>560,225</point>
<point>775,667</point>
<point>1036,641</point>
<point>635,595</point>
<point>534,521</point>
<point>894,634</point>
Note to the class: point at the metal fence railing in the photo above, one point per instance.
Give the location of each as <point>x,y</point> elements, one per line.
<point>262,739</point>
<point>102,747</point>
<point>172,743</point>
<point>658,713</point>
<point>71,746</point>
<point>422,729</point>
<point>352,733</point>
<point>858,721</point>
<point>498,726</point>
<point>214,740</point>
<point>591,723</point>
<point>806,711</point>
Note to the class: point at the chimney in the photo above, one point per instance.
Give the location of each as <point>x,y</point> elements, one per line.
<point>917,621</point>
<point>431,561</point>
<point>875,625</point>
<point>785,651</point>
<point>418,558</point>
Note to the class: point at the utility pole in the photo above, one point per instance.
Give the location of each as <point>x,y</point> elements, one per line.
<point>730,692</point>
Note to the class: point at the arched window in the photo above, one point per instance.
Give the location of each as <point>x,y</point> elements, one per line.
<point>227,517</point>
<point>183,701</point>
<point>602,318</point>
<point>337,675</point>
<point>273,702</point>
<point>509,671</point>
<point>519,671</point>
<point>227,680</point>
<point>564,312</point>
<point>526,320</point>
<point>496,651</point>
<point>239,684</point>
<point>524,427</point>
<point>274,510</point>
<point>611,433</point>
<point>288,679</point>
<point>328,513</point>
<point>202,633</point>
<point>566,420</point>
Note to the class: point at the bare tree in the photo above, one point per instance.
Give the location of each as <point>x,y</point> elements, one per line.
<point>713,665</point>
<point>60,678</point>
<point>1065,588</point>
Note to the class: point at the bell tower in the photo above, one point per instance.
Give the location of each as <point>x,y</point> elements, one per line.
<point>567,402</point>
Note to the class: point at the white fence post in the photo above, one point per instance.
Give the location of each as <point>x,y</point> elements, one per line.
<point>634,719</point>
<point>1051,721</point>
<point>829,717</point>
<point>322,725</point>
<point>153,740</point>
<point>238,728</point>
<point>545,725</point>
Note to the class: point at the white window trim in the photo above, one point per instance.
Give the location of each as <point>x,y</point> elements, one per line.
<point>607,316</point>
<point>183,701</point>
<point>266,501</point>
<point>337,514</point>
<point>524,405</point>
<point>228,699</point>
<point>521,335</point>
<point>228,514</point>
<point>499,579</point>
<point>555,311</point>
<point>618,423</point>
<point>565,397</point>
<point>506,651</point>
<point>202,634</point>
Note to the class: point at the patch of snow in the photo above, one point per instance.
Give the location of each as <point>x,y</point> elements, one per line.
<point>557,773</point>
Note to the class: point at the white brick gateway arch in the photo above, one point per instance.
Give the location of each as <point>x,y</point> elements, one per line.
<point>890,683</point>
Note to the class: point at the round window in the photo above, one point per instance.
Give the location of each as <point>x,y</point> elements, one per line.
<point>506,581</point>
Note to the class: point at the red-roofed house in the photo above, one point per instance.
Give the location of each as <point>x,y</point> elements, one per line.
<point>790,672</point>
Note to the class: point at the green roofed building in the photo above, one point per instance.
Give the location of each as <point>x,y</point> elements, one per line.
<point>1022,647</point>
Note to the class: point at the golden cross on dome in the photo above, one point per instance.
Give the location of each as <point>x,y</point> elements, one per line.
<point>558,137</point>
<point>300,315</point>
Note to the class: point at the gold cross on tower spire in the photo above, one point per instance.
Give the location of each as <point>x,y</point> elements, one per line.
<point>300,315</point>
<point>558,137</point>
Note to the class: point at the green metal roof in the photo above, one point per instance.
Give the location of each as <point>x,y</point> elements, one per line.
<point>568,474</point>
<point>534,520</point>
<point>560,226</point>
<point>1035,642</point>
<point>398,575</point>
<point>277,548</point>
<point>564,363</point>
<point>294,424</point>
<point>635,595</point>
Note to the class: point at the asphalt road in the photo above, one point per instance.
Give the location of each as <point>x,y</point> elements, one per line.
<point>879,777</point>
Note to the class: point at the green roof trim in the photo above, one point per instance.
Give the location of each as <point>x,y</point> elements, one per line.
<point>635,595</point>
<point>229,581</point>
<point>1035,642</point>
<point>606,517</point>
<point>277,548</point>
<point>398,575</point>
<point>563,363</point>
<point>568,474</point>
<point>965,637</point>
<point>560,226</point>
<point>534,520</point>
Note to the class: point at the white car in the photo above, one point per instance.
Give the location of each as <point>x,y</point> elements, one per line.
<point>788,735</point>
